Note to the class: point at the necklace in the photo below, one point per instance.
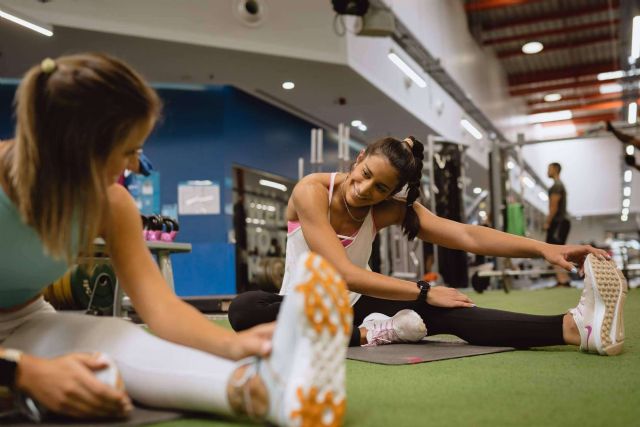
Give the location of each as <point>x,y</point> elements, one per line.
<point>344,199</point>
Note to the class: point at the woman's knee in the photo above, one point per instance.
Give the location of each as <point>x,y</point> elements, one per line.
<point>253,308</point>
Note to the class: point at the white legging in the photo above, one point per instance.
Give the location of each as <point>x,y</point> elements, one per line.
<point>155,372</point>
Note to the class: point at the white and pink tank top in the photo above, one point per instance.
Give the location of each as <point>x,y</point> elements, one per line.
<point>357,246</point>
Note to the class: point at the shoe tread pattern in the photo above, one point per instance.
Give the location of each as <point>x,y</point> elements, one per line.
<point>330,317</point>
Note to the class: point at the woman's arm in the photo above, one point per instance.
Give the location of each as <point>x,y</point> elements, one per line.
<point>311,204</point>
<point>487,241</point>
<point>168,316</point>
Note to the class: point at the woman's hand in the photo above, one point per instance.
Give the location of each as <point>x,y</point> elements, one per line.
<point>66,385</point>
<point>570,256</point>
<point>255,341</point>
<point>440,296</point>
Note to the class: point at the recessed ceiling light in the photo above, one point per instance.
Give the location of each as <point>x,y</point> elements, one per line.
<point>532,47</point>
<point>362,127</point>
<point>356,123</point>
<point>629,150</point>
<point>477,190</point>
<point>552,97</point>
<point>288,85</point>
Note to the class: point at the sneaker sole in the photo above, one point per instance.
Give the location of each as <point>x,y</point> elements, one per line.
<point>610,291</point>
<point>328,320</point>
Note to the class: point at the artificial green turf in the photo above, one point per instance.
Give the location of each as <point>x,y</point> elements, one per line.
<point>554,386</point>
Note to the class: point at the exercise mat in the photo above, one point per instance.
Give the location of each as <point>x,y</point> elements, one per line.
<point>427,350</point>
<point>139,416</point>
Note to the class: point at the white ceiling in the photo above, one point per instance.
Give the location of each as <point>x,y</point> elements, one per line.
<point>201,42</point>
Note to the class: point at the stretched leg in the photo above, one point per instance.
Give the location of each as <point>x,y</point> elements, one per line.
<point>155,372</point>
<point>479,326</point>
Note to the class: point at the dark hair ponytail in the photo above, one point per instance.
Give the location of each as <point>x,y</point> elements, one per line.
<point>406,157</point>
<point>411,223</point>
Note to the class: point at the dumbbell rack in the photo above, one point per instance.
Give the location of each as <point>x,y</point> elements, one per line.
<point>162,250</point>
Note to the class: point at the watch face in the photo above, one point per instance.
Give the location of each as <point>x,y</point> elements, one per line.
<point>7,372</point>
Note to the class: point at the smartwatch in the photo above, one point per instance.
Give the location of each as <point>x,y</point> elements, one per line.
<point>9,359</point>
<point>424,290</point>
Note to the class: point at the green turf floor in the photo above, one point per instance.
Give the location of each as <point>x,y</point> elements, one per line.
<point>554,386</point>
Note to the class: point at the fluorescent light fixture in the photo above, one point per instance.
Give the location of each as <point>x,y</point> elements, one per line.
<point>629,150</point>
<point>625,211</point>
<point>550,117</point>
<point>543,196</point>
<point>362,127</point>
<point>510,165</point>
<point>528,182</point>
<point>276,185</point>
<point>627,175</point>
<point>288,85</point>
<point>552,97</point>
<point>356,123</point>
<point>632,113</point>
<point>471,129</point>
<point>532,47</point>
<point>635,38</point>
<point>477,190</point>
<point>610,88</point>
<point>626,203</point>
<point>610,75</point>
<point>626,191</point>
<point>407,70</point>
<point>43,29</point>
<point>624,218</point>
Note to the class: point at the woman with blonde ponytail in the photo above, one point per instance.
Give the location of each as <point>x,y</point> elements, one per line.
<point>338,214</point>
<point>80,120</point>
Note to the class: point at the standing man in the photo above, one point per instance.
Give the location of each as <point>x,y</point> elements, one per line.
<point>557,223</point>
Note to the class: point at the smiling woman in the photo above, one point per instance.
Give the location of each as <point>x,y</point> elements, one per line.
<point>337,215</point>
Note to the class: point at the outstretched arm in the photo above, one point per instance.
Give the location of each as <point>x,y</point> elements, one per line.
<point>487,241</point>
<point>166,314</point>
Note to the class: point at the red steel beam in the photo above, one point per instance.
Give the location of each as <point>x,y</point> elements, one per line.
<point>554,87</point>
<point>560,73</point>
<point>607,117</point>
<point>559,46</point>
<point>537,34</point>
<point>479,5</point>
<point>550,16</point>
<point>607,105</point>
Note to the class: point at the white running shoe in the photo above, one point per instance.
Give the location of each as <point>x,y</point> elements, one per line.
<point>305,373</point>
<point>405,326</point>
<point>599,314</point>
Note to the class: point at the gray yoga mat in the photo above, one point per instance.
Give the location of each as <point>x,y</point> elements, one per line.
<point>139,417</point>
<point>428,350</point>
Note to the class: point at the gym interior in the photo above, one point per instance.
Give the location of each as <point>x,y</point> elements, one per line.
<point>527,113</point>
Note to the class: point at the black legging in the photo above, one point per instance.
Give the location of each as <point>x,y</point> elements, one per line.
<point>479,326</point>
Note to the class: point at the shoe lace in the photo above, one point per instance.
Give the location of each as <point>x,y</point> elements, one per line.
<point>383,333</point>
<point>581,304</point>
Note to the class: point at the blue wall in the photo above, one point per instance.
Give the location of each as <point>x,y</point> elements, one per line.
<point>201,136</point>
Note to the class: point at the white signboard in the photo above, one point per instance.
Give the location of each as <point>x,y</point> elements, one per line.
<point>199,198</point>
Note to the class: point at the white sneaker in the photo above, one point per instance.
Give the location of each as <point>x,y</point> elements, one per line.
<point>599,314</point>
<point>405,326</point>
<point>305,374</point>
